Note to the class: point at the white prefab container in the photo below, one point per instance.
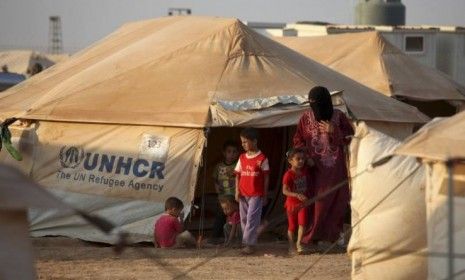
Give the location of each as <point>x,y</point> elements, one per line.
<point>321,29</point>
<point>451,52</point>
<point>271,29</point>
<point>419,43</point>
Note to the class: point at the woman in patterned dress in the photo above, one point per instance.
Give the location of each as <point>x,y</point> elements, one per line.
<point>325,132</point>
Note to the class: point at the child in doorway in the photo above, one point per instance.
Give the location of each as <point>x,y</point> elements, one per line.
<point>232,228</point>
<point>225,182</point>
<point>295,186</point>
<point>168,231</point>
<point>252,178</point>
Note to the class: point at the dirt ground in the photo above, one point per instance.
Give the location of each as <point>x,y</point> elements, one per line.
<point>65,258</point>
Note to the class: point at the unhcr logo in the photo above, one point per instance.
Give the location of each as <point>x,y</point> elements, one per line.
<point>70,157</point>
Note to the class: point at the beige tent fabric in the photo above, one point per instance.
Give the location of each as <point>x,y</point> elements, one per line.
<point>389,240</point>
<point>441,140</point>
<point>371,60</point>
<point>435,144</point>
<point>137,205</point>
<point>19,61</point>
<point>135,217</point>
<point>139,162</point>
<point>168,71</point>
<point>436,198</point>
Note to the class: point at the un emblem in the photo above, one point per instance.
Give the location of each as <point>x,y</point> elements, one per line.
<point>70,157</point>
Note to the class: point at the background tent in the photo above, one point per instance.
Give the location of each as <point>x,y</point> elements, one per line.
<point>21,61</point>
<point>119,127</point>
<point>371,60</point>
<point>435,144</point>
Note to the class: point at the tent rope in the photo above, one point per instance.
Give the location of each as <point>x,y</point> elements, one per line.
<point>361,219</point>
<point>336,187</point>
<point>369,168</point>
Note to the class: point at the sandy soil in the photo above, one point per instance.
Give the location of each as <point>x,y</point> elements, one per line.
<point>64,258</point>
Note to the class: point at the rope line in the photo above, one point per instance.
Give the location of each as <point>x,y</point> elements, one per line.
<point>359,221</point>
<point>281,217</point>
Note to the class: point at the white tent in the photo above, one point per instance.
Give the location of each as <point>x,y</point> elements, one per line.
<point>438,145</point>
<point>388,207</point>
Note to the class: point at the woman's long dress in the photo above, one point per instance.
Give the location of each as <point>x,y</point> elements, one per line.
<point>328,152</point>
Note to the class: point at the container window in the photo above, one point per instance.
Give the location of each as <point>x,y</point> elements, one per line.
<point>414,44</point>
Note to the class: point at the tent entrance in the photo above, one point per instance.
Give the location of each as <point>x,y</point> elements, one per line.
<point>274,142</point>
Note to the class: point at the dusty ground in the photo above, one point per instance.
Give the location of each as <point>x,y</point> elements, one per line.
<point>64,258</point>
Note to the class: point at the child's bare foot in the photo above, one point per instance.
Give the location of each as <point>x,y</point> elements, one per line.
<point>300,249</point>
<point>292,252</point>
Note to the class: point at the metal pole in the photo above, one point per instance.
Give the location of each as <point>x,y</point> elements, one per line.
<point>204,185</point>
<point>450,210</point>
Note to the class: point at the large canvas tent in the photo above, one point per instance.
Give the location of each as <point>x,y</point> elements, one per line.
<point>119,127</point>
<point>370,59</point>
<point>439,145</point>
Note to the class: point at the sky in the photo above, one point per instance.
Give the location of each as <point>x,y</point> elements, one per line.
<point>24,23</point>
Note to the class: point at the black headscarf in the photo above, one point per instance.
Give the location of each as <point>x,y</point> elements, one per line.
<point>321,103</point>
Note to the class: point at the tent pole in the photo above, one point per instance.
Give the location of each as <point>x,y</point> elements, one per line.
<point>450,210</point>
<point>204,186</point>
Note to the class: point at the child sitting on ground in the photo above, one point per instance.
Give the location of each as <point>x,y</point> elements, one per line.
<point>295,184</point>
<point>168,231</point>
<point>225,183</point>
<point>232,228</point>
<point>252,178</point>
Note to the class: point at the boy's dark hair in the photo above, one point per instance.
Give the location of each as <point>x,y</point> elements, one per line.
<point>230,143</point>
<point>227,199</point>
<point>173,202</point>
<point>293,151</point>
<point>250,133</point>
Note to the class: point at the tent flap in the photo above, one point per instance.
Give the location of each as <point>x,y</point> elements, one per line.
<point>274,111</point>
